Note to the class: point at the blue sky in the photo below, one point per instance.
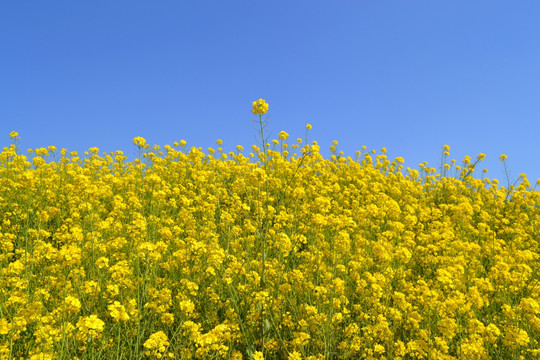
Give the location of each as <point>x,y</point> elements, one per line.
<point>410,76</point>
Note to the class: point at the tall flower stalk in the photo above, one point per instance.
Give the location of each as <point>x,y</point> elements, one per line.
<point>260,107</point>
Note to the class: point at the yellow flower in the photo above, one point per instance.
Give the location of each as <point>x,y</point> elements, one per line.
<point>300,339</point>
<point>157,344</point>
<point>13,135</point>
<point>167,318</point>
<point>295,355</point>
<point>140,142</point>
<point>90,326</point>
<point>90,288</point>
<point>258,356</point>
<point>530,305</point>
<point>283,135</point>
<point>102,262</point>
<point>522,337</point>
<point>72,304</point>
<point>492,332</point>
<point>236,355</point>
<point>118,312</point>
<point>5,326</point>
<point>260,107</point>
<point>187,307</point>
<point>94,323</point>
<point>379,349</point>
<point>19,323</point>
<point>503,157</point>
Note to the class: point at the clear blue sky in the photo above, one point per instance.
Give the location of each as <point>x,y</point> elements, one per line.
<point>407,75</point>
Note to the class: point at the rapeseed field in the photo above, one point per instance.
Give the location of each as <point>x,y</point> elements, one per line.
<point>270,253</point>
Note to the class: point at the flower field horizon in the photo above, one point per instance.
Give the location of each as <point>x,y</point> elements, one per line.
<point>274,254</point>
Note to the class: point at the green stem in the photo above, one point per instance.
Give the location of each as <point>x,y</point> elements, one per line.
<point>264,228</point>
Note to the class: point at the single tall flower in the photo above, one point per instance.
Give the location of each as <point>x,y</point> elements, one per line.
<point>260,107</point>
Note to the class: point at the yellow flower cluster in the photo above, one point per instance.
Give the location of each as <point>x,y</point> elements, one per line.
<point>162,257</point>
<point>260,107</point>
<point>157,345</point>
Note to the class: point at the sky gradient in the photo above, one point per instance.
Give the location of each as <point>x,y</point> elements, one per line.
<point>410,76</point>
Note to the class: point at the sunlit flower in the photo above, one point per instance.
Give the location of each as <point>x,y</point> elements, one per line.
<point>260,107</point>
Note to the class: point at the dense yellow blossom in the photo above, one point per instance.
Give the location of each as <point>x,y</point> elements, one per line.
<point>280,254</point>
